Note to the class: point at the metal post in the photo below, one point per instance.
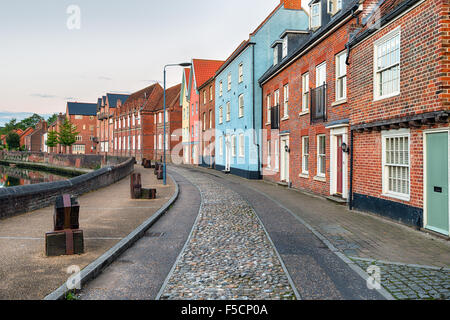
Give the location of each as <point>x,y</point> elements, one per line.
<point>164,136</point>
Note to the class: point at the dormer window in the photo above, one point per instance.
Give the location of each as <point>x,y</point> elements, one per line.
<point>315,15</point>
<point>285,46</point>
<point>275,55</point>
<point>334,6</point>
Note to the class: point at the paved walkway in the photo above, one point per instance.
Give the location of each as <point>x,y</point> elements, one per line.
<point>139,273</point>
<point>228,254</point>
<point>366,239</point>
<point>106,216</point>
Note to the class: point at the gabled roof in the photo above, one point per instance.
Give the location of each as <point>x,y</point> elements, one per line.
<point>204,70</point>
<point>172,98</point>
<point>113,98</point>
<point>235,53</point>
<point>82,109</point>
<point>184,82</point>
<point>27,132</point>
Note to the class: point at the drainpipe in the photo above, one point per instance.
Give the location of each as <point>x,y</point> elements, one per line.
<point>254,116</point>
<point>350,196</point>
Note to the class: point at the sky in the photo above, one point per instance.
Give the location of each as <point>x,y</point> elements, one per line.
<point>49,57</point>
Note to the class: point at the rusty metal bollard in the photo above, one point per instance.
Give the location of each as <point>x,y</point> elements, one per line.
<point>66,239</point>
<point>135,186</point>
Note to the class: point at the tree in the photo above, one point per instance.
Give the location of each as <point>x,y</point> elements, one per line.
<point>52,139</point>
<point>13,140</point>
<point>67,135</point>
<point>52,118</point>
<point>30,122</point>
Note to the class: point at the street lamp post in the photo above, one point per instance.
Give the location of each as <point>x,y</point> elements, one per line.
<point>185,64</point>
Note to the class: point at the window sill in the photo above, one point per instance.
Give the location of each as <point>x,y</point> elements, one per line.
<point>284,118</point>
<point>386,96</point>
<point>267,123</point>
<point>320,178</point>
<point>304,175</point>
<point>338,102</point>
<point>397,196</point>
<point>303,113</point>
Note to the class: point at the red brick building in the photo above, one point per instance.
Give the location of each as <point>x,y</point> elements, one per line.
<point>105,124</point>
<point>55,126</point>
<point>399,96</point>
<point>305,109</point>
<point>207,122</point>
<point>134,128</point>
<point>34,141</point>
<point>84,117</point>
<point>173,137</point>
<point>138,123</point>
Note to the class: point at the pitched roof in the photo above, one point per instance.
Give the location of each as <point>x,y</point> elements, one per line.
<point>235,53</point>
<point>113,98</point>
<point>205,69</point>
<point>82,109</point>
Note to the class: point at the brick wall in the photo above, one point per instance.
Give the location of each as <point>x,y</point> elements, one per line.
<point>22,199</point>
<point>423,88</point>
<point>298,124</point>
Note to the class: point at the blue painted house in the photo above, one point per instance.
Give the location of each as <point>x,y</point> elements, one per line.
<point>238,98</point>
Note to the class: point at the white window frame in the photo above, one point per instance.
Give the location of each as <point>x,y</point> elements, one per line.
<point>241,105</point>
<point>305,155</point>
<point>204,96</point>
<point>139,142</point>
<point>221,146</point>
<point>377,73</point>
<point>210,119</point>
<point>269,115</point>
<point>284,51</point>
<point>241,145</point>
<point>275,55</point>
<point>286,101</point>
<point>160,142</point>
<point>229,81</point>
<point>305,92</point>
<point>233,145</point>
<point>319,15</point>
<point>228,112</point>
<point>392,134</point>
<point>210,93</point>
<point>220,115</point>
<point>220,88</point>
<point>322,66</point>
<point>241,73</point>
<point>276,98</point>
<point>320,155</point>
<point>341,79</point>
<point>269,154</point>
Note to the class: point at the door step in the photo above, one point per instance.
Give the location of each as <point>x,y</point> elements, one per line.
<point>337,199</point>
<point>226,171</point>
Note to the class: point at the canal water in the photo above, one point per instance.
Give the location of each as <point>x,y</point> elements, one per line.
<point>14,176</point>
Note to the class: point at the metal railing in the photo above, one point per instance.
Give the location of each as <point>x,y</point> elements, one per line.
<point>318,107</point>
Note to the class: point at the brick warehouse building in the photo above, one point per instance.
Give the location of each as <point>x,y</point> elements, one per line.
<point>55,126</point>
<point>84,117</point>
<point>306,114</point>
<point>201,71</point>
<point>105,124</point>
<point>173,137</point>
<point>134,129</point>
<point>138,123</point>
<point>399,94</point>
<point>207,121</point>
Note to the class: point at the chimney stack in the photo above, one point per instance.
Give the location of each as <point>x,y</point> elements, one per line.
<point>292,4</point>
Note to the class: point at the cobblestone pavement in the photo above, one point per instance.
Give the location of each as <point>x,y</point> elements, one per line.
<point>406,282</point>
<point>228,255</point>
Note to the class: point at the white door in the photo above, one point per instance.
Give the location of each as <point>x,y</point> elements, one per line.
<point>284,165</point>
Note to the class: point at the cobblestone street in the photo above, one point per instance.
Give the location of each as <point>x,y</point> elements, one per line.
<point>410,282</point>
<point>228,255</point>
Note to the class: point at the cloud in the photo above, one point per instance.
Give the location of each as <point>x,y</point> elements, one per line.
<point>43,96</point>
<point>151,81</point>
<point>105,78</point>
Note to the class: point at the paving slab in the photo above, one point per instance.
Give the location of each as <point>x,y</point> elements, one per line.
<point>106,216</point>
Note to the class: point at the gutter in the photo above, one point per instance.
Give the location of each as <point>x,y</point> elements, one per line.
<point>309,45</point>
